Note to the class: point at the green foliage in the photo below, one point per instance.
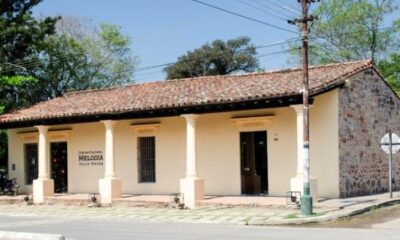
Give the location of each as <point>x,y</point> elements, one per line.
<point>81,56</point>
<point>21,37</point>
<point>217,58</point>
<point>11,89</point>
<point>15,80</point>
<point>391,71</point>
<point>20,33</point>
<point>353,30</point>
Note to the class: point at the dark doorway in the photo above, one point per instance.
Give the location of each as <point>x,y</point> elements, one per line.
<point>59,166</point>
<point>254,162</point>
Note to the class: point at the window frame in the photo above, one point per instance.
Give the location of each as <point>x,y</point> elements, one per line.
<point>146,168</point>
<point>27,163</point>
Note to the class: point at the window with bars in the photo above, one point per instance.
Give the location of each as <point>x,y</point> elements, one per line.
<point>31,162</point>
<point>146,159</point>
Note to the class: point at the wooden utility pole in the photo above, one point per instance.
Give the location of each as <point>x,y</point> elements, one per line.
<point>306,199</point>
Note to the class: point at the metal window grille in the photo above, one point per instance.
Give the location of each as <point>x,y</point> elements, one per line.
<point>31,162</point>
<point>146,159</point>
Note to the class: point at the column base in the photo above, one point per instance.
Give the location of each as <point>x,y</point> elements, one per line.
<point>109,188</point>
<point>193,190</point>
<point>296,184</point>
<point>42,188</point>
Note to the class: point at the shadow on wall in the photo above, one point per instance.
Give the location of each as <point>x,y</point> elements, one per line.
<point>3,150</point>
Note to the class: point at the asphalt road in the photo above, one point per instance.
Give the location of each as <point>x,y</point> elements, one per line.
<point>81,228</point>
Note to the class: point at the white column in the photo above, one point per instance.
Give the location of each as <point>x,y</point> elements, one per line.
<point>43,153</point>
<point>43,186</point>
<point>109,149</point>
<point>110,186</point>
<point>191,186</point>
<point>299,124</point>
<point>296,183</point>
<point>191,163</point>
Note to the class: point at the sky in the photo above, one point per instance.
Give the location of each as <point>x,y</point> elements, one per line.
<point>163,30</point>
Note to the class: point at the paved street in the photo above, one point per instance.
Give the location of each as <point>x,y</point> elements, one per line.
<point>81,228</point>
<point>148,223</point>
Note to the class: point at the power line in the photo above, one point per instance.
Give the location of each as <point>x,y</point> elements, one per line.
<point>27,63</point>
<point>146,68</point>
<point>349,33</point>
<point>284,7</point>
<point>189,60</point>
<point>65,57</point>
<point>275,54</point>
<point>269,7</point>
<point>245,17</point>
<point>291,40</point>
<point>293,7</point>
<point>262,10</point>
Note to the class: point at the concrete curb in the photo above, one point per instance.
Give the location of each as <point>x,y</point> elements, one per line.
<point>29,236</point>
<point>324,218</point>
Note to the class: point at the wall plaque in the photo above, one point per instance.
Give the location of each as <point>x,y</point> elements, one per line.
<point>90,158</point>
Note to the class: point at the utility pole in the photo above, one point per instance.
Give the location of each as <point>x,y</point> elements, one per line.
<point>306,199</point>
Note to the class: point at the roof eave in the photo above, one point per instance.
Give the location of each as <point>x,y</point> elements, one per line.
<point>256,103</point>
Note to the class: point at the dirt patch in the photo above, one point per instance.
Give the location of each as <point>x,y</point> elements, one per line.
<point>365,220</point>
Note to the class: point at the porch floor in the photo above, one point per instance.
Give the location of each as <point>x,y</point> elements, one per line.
<point>82,199</point>
<point>154,200</point>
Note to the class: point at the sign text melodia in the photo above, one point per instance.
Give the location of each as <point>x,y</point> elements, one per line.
<point>90,158</point>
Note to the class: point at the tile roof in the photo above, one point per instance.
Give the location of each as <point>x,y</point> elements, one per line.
<point>188,92</point>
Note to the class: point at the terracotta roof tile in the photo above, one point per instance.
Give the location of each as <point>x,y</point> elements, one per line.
<point>187,92</point>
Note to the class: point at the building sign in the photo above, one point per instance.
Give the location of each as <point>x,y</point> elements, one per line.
<point>90,158</point>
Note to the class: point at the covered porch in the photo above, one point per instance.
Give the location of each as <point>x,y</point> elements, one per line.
<point>197,155</point>
<point>193,131</point>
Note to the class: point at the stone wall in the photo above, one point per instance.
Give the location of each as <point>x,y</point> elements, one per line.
<point>368,108</point>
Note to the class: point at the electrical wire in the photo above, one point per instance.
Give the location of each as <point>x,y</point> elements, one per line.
<point>284,7</point>
<point>292,6</point>
<point>272,8</point>
<point>262,10</point>
<point>274,54</point>
<point>146,68</point>
<point>245,17</point>
<point>27,64</point>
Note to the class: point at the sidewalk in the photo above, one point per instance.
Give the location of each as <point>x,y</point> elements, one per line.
<point>218,214</point>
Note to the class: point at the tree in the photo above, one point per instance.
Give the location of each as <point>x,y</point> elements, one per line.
<point>217,58</point>
<point>355,29</point>
<point>352,30</point>
<point>82,56</point>
<point>391,70</point>
<point>21,37</point>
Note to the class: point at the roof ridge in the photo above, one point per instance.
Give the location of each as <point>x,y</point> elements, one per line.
<point>365,61</point>
<point>167,81</point>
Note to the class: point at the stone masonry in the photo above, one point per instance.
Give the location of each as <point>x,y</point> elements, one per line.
<point>368,108</point>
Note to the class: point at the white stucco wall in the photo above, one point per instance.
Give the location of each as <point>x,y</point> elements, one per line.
<point>324,143</point>
<point>218,152</point>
